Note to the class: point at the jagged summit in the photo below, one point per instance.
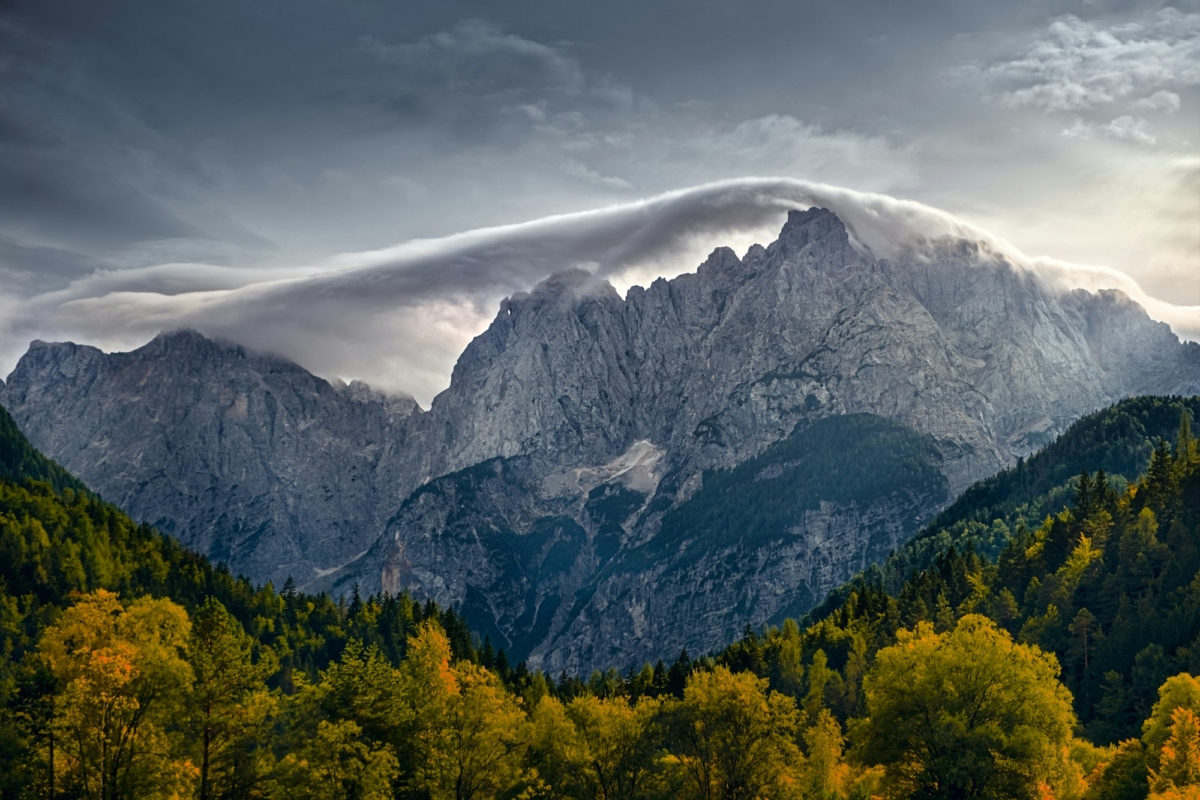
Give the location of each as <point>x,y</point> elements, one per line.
<point>813,224</point>
<point>560,290</point>
<point>247,458</point>
<point>184,337</point>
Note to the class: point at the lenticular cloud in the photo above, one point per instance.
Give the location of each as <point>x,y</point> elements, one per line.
<point>399,317</point>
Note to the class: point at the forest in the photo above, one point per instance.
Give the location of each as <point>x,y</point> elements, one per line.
<point>1040,639</point>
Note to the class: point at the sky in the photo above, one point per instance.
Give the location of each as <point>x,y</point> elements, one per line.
<point>356,183</point>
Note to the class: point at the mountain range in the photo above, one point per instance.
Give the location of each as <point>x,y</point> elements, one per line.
<point>607,479</point>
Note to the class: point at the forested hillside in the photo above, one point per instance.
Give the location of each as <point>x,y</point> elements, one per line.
<point>1039,643</point>
<point>63,547</point>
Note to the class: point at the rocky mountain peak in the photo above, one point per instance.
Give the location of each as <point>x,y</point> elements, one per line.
<point>721,262</point>
<point>572,285</point>
<point>813,225</point>
<point>66,361</point>
<point>185,344</point>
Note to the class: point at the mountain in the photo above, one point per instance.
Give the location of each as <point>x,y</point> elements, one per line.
<point>246,458</point>
<point>609,479</point>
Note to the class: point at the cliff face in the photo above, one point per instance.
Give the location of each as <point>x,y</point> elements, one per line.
<point>249,459</point>
<point>579,488</point>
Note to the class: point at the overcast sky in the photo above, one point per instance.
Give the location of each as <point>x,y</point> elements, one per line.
<point>155,155</point>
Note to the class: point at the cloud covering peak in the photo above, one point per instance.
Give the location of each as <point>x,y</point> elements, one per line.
<point>399,317</point>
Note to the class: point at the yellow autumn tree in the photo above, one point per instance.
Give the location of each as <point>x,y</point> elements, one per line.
<point>555,752</point>
<point>1186,793</point>
<point>428,686</point>
<point>124,676</point>
<point>619,745</point>
<point>470,732</point>
<point>335,764</point>
<point>967,713</point>
<point>1178,691</point>
<point>734,740</point>
<point>1179,759</point>
<point>826,774</point>
<point>487,734</point>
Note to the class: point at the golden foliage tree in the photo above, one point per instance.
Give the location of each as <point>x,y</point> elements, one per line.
<point>1178,691</point>
<point>619,745</point>
<point>335,764</point>
<point>555,751</point>
<point>826,774</point>
<point>967,713</point>
<point>124,678</point>
<point>734,740</point>
<point>487,733</point>
<point>1179,759</point>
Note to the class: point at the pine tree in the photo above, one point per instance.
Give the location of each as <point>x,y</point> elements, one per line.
<point>224,673</point>
<point>1084,497</point>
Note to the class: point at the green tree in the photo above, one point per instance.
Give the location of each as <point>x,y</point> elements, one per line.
<point>225,674</point>
<point>790,668</point>
<point>364,687</point>
<point>819,678</point>
<point>1178,691</point>
<point>1121,776</point>
<point>965,714</point>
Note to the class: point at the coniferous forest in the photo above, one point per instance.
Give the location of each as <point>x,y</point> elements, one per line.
<point>1039,639</point>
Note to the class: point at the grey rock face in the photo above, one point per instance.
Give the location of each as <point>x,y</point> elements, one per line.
<point>535,490</point>
<point>249,459</point>
<point>617,566</point>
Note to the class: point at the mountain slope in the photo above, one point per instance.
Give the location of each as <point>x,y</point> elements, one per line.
<point>1117,442</point>
<point>562,581</point>
<point>57,541</point>
<point>1104,574</point>
<point>246,458</point>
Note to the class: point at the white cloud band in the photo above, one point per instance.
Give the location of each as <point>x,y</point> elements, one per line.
<point>399,317</point>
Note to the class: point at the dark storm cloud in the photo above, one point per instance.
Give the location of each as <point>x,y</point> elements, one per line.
<point>79,170</point>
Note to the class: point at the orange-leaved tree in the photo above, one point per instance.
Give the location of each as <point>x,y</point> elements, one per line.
<point>124,679</point>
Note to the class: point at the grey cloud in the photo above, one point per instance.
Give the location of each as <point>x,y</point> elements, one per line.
<point>81,171</point>
<point>1079,64</point>
<point>31,267</point>
<point>481,74</point>
<point>283,131</point>
<point>478,57</point>
<point>1125,127</point>
<point>1162,100</point>
<point>398,317</point>
<point>583,172</point>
